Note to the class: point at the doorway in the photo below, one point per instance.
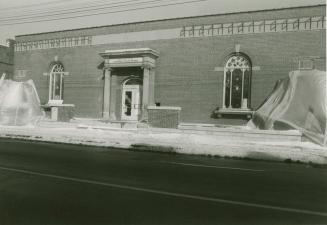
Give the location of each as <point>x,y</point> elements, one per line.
<point>131,99</point>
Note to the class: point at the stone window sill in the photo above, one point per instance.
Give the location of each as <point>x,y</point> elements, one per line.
<point>230,111</point>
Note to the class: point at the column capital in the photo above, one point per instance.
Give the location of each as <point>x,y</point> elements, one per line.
<point>107,73</point>
<point>147,66</point>
<point>107,68</point>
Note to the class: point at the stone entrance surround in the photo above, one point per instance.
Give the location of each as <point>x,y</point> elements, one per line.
<point>145,58</point>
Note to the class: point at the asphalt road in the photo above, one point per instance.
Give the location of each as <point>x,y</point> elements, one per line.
<point>54,184</point>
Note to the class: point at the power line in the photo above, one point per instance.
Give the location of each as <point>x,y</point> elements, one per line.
<point>68,6</point>
<point>72,6</point>
<point>77,10</point>
<point>36,4</point>
<point>101,13</point>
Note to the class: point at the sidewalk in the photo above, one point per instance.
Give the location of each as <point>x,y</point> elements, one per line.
<point>213,141</point>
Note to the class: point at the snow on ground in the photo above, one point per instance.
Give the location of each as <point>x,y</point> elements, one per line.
<point>169,140</point>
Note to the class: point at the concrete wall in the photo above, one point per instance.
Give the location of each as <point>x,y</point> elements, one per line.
<point>185,71</point>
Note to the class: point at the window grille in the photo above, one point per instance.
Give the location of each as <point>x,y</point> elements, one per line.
<point>237,83</point>
<point>56,84</point>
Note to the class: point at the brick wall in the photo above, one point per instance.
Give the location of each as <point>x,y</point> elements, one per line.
<point>82,87</point>
<point>185,74</point>
<point>6,60</point>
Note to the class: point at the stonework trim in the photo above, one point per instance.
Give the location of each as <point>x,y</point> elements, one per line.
<point>139,57</point>
<point>53,43</point>
<point>249,27</point>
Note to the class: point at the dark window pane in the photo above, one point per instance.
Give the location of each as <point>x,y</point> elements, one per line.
<point>128,103</point>
<point>246,84</point>
<point>237,88</point>
<point>227,88</point>
<point>57,88</point>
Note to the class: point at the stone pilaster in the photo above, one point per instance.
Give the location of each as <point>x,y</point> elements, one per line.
<point>146,91</point>
<point>106,93</point>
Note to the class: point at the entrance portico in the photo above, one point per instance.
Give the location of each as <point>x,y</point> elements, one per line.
<point>130,72</point>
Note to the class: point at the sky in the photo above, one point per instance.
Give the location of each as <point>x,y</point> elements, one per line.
<point>12,11</point>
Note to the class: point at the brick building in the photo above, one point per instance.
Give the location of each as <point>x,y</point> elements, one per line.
<point>226,64</point>
<point>7,59</point>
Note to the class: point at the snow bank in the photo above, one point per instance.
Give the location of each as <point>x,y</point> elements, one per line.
<point>181,142</point>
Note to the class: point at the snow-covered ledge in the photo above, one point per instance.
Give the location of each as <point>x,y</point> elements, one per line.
<point>55,102</point>
<point>165,107</point>
<point>57,105</point>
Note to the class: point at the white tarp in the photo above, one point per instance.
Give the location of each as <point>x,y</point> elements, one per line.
<point>19,103</point>
<point>298,101</point>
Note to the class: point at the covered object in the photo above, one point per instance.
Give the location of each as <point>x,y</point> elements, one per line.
<point>19,103</point>
<point>297,102</point>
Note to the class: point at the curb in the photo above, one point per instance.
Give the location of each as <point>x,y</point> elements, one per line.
<point>169,142</point>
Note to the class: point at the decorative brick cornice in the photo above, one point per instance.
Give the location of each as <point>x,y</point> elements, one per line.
<point>53,43</point>
<point>261,26</point>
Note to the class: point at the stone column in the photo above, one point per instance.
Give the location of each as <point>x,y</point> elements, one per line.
<point>113,97</point>
<point>224,89</point>
<point>151,87</point>
<point>145,94</point>
<point>106,93</point>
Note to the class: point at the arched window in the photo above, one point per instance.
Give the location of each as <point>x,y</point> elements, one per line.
<point>237,82</point>
<point>56,84</point>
